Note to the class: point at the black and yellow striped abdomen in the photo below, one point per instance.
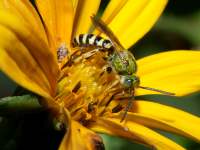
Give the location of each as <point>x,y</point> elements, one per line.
<point>84,40</point>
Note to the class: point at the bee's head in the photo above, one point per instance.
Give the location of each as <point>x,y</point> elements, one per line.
<point>129,81</point>
<point>133,81</point>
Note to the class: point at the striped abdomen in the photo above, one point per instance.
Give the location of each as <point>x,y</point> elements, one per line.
<point>84,40</point>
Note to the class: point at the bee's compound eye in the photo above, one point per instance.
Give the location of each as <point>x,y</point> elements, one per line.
<point>129,81</point>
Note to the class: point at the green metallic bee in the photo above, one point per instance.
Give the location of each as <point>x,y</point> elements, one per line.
<point>119,59</point>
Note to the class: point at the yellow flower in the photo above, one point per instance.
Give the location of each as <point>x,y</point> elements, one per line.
<point>77,94</point>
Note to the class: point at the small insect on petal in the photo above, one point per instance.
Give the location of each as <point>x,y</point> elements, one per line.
<point>62,52</point>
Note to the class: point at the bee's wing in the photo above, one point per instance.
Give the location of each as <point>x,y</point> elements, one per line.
<point>103,28</point>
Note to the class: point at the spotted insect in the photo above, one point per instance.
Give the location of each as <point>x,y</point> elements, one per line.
<point>120,60</point>
<point>62,52</point>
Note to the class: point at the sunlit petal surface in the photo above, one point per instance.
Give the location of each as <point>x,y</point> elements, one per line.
<point>13,56</point>
<point>25,9</point>
<point>79,137</point>
<point>135,132</point>
<point>58,17</point>
<point>137,17</point>
<point>113,8</point>
<point>175,71</point>
<point>16,34</point>
<point>25,33</point>
<point>163,117</point>
<point>84,10</point>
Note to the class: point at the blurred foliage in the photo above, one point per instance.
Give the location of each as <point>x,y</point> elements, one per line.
<point>15,105</point>
<point>178,28</point>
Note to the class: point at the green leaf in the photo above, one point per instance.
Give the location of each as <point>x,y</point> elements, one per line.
<point>19,104</point>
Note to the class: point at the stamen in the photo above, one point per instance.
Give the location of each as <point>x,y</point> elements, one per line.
<point>91,107</point>
<point>77,87</point>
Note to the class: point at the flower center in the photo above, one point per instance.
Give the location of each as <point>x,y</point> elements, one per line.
<point>87,89</point>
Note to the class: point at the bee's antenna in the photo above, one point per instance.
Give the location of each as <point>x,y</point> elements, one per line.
<point>157,90</point>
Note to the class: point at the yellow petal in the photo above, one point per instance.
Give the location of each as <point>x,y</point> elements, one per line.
<point>175,71</point>
<point>19,65</point>
<point>37,47</point>
<point>75,4</point>
<point>166,118</point>
<point>79,137</point>
<point>26,10</point>
<point>134,19</point>
<point>134,132</point>
<point>58,18</point>
<point>113,8</point>
<point>84,10</point>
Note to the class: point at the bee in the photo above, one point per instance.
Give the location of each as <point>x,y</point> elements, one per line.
<point>119,59</point>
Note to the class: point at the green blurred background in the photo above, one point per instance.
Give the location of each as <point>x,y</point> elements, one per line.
<point>178,28</point>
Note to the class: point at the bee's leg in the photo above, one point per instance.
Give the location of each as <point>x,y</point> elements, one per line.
<point>86,55</point>
<point>71,59</point>
<point>83,54</point>
<point>82,48</point>
<point>117,108</point>
<point>129,105</point>
<point>79,55</point>
<point>120,96</point>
